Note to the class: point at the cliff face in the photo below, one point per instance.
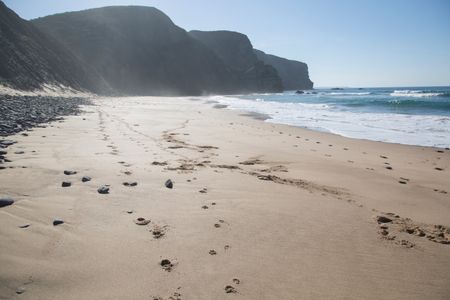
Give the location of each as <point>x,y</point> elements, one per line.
<point>294,74</point>
<point>134,50</point>
<point>236,51</point>
<point>138,50</point>
<point>30,58</point>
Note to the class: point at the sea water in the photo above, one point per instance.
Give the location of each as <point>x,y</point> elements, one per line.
<point>415,116</point>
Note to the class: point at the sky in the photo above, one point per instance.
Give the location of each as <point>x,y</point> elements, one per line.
<point>351,43</point>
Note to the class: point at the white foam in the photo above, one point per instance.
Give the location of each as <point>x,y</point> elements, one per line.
<point>348,94</point>
<point>415,94</point>
<point>424,130</point>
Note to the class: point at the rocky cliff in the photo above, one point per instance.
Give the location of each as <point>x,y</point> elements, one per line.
<point>236,51</point>
<point>294,74</point>
<point>29,58</point>
<point>133,50</point>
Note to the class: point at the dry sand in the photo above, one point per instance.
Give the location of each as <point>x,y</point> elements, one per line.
<point>290,213</point>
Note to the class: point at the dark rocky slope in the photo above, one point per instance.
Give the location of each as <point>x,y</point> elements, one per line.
<point>236,51</point>
<point>294,74</point>
<point>30,58</point>
<point>139,50</point>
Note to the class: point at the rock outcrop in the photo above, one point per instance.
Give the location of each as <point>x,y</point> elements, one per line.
<point>294,74</point>
<point>236,51</point>
<point>29,58</point>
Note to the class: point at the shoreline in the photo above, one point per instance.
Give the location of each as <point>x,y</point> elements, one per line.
<point>271,210</point>
<point>264,117</point>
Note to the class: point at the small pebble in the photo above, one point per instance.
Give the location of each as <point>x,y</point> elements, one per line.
<point>57,222</point>
<point>66,184</point>
<point>6,202</point>
<point>103,189</point>
<point>169,184</point>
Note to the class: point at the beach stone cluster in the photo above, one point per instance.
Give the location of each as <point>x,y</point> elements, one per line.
<point>18,113</point>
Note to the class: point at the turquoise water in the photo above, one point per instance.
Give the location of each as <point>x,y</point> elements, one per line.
<point>417,116</point>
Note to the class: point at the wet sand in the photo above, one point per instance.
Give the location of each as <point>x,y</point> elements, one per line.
<point>253,210</point>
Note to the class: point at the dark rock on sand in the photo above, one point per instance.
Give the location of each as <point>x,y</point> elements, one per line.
<point>66,183</point>
<point>6,143</point>
<point>383,219</point>
<point>134,183</point>
<point>169,184</point>
<point>57,222</point>
<point>6,202</point>
<point>23,112</point>
<point>104,189</point>
<point>86,179</point>
<point>67,172</point>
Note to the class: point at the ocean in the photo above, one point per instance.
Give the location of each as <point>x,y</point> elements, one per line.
<point>414,116</point>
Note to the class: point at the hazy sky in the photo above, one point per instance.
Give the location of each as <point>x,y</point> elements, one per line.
<point>345,42</point>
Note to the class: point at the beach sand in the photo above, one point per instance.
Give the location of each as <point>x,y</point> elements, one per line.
<point>257,210</point>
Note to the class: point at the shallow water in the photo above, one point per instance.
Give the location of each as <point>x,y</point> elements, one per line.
<point>416,116</point>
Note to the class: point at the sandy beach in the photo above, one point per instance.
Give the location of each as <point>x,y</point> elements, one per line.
<point>256,211</point>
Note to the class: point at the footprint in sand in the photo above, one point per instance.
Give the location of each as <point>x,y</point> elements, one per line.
<point>167,265</point>
<point>158,231</point>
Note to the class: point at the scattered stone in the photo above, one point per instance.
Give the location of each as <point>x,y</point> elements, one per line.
<point>383,219</point>
<point>214,203</point>
<point>104,189</point>
<point>66,183</point>
<point>20,113</point>
<point>205,207</point>
<point>217,225</point>
<point>67,172</point>
<point>169,184</point>
<point>6,202</point>
<point>439,169</point>
<point>402,182</point>
<point>57,222</point>
<point>20,290</point>
<point>6,143</point>
<point>86,179</point>
<point>389,168</point>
